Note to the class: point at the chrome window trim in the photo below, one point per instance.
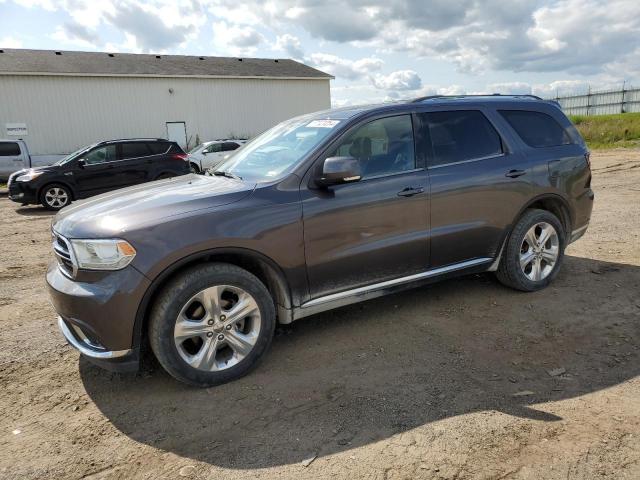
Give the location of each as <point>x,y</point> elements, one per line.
<point>477,159</point>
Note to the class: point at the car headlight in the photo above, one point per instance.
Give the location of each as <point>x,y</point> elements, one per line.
<point>30,175</point>
<point>112,254</point>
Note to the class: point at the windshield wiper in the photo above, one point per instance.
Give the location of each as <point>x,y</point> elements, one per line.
<point>222,173</point>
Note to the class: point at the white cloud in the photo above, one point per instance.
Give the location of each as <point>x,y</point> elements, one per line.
<point>344,68</point>
<point>10,42</point>
<point>236,40</point>
<point>399,80</point>
<point>289,44</point>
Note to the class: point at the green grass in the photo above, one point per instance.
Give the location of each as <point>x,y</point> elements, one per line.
<point>621,130</point>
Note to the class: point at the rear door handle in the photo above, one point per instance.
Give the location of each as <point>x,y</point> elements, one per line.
<point>515,173</point>
<point>410,191</point>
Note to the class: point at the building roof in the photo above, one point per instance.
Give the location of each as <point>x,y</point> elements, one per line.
<point>61,62</point>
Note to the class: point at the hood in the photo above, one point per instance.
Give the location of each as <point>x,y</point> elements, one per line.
<point>117,212</point>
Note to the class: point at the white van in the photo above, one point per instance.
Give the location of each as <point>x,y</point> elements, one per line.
<point>14,156</point>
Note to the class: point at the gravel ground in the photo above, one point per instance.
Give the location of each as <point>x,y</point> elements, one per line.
<point>463,379</point>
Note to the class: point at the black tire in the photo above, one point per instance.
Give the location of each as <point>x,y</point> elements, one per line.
<point>193,167</point>
<point>175,295</point>
<point>165,175</point>
<point>509,272</point>
<point>55,196</point>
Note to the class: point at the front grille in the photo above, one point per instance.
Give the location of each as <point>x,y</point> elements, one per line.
<point>64,255</point>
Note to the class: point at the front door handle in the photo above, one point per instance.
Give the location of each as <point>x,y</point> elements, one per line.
<point>410,191</point>
<point>515,173</point>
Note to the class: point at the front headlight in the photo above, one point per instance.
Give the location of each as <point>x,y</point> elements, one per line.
<point>30,175</point>
<point>112,254</point>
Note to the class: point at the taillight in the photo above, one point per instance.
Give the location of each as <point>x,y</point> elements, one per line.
<point>180,156</point>
<point>587,157</point>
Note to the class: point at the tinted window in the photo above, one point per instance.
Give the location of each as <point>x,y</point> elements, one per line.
<point>536,129</point>
<point>158,148</point>
<point>9,149</point>
<point>175,148</point>
<point>101,155</point>
<point>213,148</point>
<point>383,146</point>
<point>134,150</point>
<point>228,146</point>
<point>460,135</point>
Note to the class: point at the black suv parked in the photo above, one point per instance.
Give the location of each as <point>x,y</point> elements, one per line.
<point>318,212</point>
<point>96,169</point>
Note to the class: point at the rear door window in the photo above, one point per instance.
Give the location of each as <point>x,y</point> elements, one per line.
<point>228,146</point>
<point>536,129</point>
<point>9,149</point>
<point>459,136</point>
<point>134,150</point>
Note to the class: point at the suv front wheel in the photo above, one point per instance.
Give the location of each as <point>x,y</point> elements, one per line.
<point>534,252</point>
<point>211,324</point>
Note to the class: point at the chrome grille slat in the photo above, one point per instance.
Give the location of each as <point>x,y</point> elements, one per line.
<point>64,255</point>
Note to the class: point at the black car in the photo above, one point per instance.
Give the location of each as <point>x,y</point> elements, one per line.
<point>318,212</point>
<point>98,168</point>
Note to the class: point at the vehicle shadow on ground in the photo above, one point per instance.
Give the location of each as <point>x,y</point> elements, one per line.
<point>363,373</point>
<point>35,211</point>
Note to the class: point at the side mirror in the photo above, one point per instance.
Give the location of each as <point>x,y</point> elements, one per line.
<point>204,152</point>
<point>337,170</point>
<point>81,162</point>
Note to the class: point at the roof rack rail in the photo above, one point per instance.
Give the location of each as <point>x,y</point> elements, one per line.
<point>431,97</point>
<point>133,139</point>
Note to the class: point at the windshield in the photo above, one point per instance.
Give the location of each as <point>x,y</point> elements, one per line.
<point>276,151</point>
<point>71,156</point>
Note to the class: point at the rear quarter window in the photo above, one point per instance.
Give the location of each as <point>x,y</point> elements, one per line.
<point>158,148</point>
<point>537,129</point>
<point>9,149</point>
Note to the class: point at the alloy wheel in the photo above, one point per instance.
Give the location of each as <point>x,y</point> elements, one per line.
<point>539,251</point>
<point>56,197</point>
<point>217,328</point>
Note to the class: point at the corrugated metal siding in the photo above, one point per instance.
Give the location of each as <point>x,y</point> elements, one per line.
<point>601,103</point>
<point>64,113</point>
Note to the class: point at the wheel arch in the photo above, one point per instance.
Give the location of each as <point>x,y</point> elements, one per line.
<point>260,265</point>
<point>57,182</point>
<point>553,203</point>
<point>550,202</point>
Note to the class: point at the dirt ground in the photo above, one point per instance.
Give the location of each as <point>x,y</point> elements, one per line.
<point>463,379</point>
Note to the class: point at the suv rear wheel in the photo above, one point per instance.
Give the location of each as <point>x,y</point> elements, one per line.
<point>534,252</point>
<point>212,324</point>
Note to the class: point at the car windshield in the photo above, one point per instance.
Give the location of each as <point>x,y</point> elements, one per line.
<point>275,152</point>
<point>73,155</point>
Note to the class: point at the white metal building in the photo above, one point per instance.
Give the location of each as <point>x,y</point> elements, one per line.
<point>58,101</point>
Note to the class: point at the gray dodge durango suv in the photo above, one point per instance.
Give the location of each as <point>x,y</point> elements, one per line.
<point>320,211</point>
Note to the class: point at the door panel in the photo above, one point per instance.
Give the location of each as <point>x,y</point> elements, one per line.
<point>134,163</point>
<point>376,229</point>
<point>478,185</point>
<point>98,173</point>
<point>362,233</point>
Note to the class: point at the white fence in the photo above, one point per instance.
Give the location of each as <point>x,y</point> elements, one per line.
<point>601,102</point>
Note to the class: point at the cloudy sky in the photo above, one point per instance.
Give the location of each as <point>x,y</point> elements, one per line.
<point>377,49</point>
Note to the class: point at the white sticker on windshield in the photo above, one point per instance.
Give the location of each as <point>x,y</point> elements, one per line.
<point>323,123</point>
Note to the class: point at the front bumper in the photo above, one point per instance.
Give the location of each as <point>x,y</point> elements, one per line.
<point>97,313</point>
<point>114,360</point>
<point>22,192</point>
